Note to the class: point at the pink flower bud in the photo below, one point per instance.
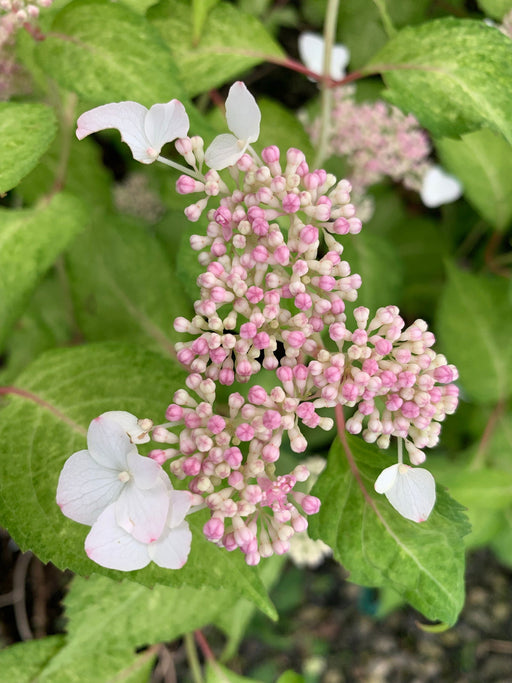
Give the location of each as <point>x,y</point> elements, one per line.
<point>214,529</point>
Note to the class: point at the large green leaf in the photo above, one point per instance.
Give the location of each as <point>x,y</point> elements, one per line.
<point>482,161</point>
<point>26,131</point>
<point>231,42</point>
<point>454,75</point>
<point>105,52</point>
<point>475,328</point>
<point>30,241</point>
<point>109,621</point>
<point>45,421</point>
<point>123,285</point>
<point>280,127</point>
<point>495,8</point>
<point>23,662</point>
<point>424,563</point>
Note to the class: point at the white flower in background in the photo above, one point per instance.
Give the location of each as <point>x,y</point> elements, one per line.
<point>410,490</point>
<point>144,131</point>
<point>112,473</point>
<point>439,187</point>
<point>311,51</point>
<point>111,546</point>
<point>243,117</point>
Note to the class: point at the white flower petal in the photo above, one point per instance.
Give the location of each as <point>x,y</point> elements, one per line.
<point>311,51</point>
<point>340,58</point>
<point>108,443</point>
<point>145,471</point>
<point>165,122</point>
<point>223,152</point>
<point>86,488</point>
<point>110,546</point>
<point>178,508</point>
<point>129,423</point>
<point>413,494</point>
<point>386,479</point>
<point>242,113</point>
<point>127,118</point>
<point>439,187</point>
<point>143,512</point>
<point>172,548</point>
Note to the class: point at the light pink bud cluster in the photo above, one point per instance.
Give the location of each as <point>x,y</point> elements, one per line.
<point>268,291</point>
<point>230,459</point>
<point>378,141</point>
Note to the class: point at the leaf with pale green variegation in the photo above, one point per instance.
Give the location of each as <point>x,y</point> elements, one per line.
<point>482,161</point>
<point>424,562</point>
<point>454,75</point>
<point>30,241</point>
<point>45,421</point>
<point>475,328</point>
<point>26,131</point>
<point>231,42</point>
<point>23,662</point>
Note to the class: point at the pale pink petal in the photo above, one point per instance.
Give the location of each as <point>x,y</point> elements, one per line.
<point>86,488</point>
<point>108,443</point>
<point>110,546</point>
<point>439,187</point>
<point>143,512</point>
<point>145,471</point>
<point>224,151</point>
<point>127,118</point>
<point>242,113</point>
<point>130,424</point>
<point>172,548</point>
<point>386,479</point>
<point>179,507</point>
<point>413,494</point>
<point>165,122</point>
<point>340,58</point>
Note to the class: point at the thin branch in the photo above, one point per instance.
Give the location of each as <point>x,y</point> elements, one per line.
<point>19,602</point>
<point>479,460</point>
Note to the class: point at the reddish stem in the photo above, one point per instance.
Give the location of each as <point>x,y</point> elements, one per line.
<point>203,646</point>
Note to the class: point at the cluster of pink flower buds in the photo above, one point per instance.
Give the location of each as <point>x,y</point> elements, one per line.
<point>377,140</point>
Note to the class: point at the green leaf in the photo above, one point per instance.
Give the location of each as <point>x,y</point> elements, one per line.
<point>105,52</point>
<point>23,662</point>
<point>26,131</point>
<point>495,8</point>
<point>454,75</point>
<point>482,161</point>
<point>109,621</point>
<point>231,42</point>
<point>282,128</point>
<point>475,328</point>
<point>502,542</point>
<point>45,421</point>
<point>376,260</point>
<point>200,10</point>
<point>424,563</point>
<point>30,241</point>
<point>291,677</point>
<point>123,285</point>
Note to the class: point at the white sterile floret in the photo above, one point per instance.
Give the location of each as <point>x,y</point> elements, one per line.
<point>439,187</point>
<point>111,546</point>
<point>111,471</point>
<point>144,131</point>
<point>243,117</point>
<point>136,429</point>
<point>410,490</point>
<point>311,51</point>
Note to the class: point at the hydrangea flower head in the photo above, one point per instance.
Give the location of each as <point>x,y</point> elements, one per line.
<point>144,131</point>
<point>243,117</point>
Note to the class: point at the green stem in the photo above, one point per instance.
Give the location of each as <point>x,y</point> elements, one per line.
<point>481,452</point>
<point>385,18</point>
<point>331,18</point>
<point>193,659</point>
